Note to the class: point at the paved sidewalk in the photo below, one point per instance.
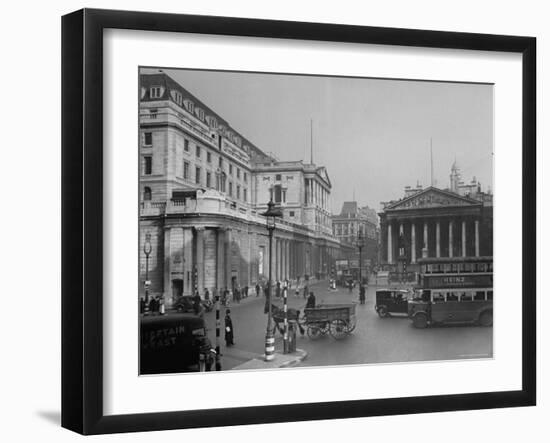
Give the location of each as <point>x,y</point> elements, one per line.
<point>280,361</point>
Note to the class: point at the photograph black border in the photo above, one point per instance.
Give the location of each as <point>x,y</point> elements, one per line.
<point>82,220</point>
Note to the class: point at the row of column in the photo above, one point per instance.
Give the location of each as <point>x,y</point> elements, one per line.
<point>317,194</point>
<point>425,245</point>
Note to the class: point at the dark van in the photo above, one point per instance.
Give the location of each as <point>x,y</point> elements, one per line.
<point>391,301</point>
<point>174,343</point>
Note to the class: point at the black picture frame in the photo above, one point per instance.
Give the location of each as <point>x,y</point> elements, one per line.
<point>82,218</point>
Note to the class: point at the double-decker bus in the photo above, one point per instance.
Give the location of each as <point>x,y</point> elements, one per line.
<point>453,290</point>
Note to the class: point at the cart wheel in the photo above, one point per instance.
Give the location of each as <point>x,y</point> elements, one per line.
<point>351,325</point>
<point>338,329</point>
<point>314,332</point>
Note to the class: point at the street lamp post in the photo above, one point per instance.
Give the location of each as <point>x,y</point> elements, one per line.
<point>270,216</point>
<point>360,245</point>
<point>147,251</point>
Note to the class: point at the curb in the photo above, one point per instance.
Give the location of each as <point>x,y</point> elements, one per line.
<point>280,361</point>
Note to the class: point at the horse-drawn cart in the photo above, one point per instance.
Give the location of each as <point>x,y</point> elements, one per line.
<point>337,319</point>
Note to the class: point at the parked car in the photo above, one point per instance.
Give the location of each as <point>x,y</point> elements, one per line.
<point>391,301</point>
<point>174,343</point>
<point>184,304</point>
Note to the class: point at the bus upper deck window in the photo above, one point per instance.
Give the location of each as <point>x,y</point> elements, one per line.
<point>489,295</point>
<point>453,296</point>
<point>480,296</point>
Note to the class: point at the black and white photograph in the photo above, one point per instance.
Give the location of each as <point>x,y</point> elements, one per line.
<point>295,221</point>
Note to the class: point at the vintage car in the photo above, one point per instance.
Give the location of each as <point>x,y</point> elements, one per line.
<point>174,343</point>
<point>391,301</point>
<point>184,303</point>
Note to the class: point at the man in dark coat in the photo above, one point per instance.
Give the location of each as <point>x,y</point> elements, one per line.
<point>362,294</point>
<point>257,289</point>
<point>229,332</point>
<point>310,304</point>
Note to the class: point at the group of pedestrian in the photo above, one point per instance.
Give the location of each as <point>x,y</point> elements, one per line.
<point>154,307</point>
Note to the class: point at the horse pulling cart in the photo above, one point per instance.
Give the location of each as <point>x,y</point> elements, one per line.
<point>337,319</point>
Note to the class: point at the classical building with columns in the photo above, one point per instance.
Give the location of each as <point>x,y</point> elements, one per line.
<point>203,187</point>
<point>433,222</point>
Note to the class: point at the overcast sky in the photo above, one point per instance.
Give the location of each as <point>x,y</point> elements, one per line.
<point>372,135</point>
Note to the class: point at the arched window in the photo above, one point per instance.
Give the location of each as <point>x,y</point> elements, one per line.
<point>147,193</point>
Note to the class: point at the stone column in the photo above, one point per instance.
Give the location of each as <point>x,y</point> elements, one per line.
<point>425,241</point>
<point>220,259</point>
<point>200,259</point>
<point>463,238</point>
<point>390,245</point>
<point>167,262</point>
<point>228,258</point>
<point>413,243</point>
<point>438,239</point>
<point>451,242</point>
<point>477,237</point>
<point>187,260</point>
<point>287,259</point>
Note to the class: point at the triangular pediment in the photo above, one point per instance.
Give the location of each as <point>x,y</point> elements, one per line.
<point>322,171</point>
<point>432,198</point>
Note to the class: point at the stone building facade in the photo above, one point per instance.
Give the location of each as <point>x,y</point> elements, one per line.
<point>433,222</point>
<point>203,187</point>
<point>352,222</point>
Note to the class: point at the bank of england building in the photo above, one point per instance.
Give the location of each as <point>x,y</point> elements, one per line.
<point>203,188</point>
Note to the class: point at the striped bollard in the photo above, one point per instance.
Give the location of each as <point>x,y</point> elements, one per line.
<point>269,347</point>
<point>218,359</point>
<point>286,347</point>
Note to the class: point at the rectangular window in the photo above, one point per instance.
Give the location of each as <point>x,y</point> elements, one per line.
<point>278,194</point>
<point>230,189</point>
<point>148,165</point>
<point>186,145</point>
<point>209,157</point>
<point>238,192</point>
<point>220,162</point>
<point>230,169</point>
<point>291,213</point>
<point>198,176</point>
<point>278,177</point>
<point>244,194</point>
<point>238,173</point>
<point>186,170</point>
<point>153,113</point>
<point>155,92</point>
<point>198,151</point>
<point>245,177</point>
<point>208,179</point>
<point>147,138</point>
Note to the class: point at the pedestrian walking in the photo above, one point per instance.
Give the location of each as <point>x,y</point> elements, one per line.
<point>229,332</point>
<point>141,305</point>
<point>152,306</point>
<point>362,294</point>
<point>257,289</point>
<point>206,294</point>
<point>245,292</point>
<point>310,304</point>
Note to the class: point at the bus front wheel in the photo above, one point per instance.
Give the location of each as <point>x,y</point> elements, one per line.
<point>486,318</point>
<point>420,321</point>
